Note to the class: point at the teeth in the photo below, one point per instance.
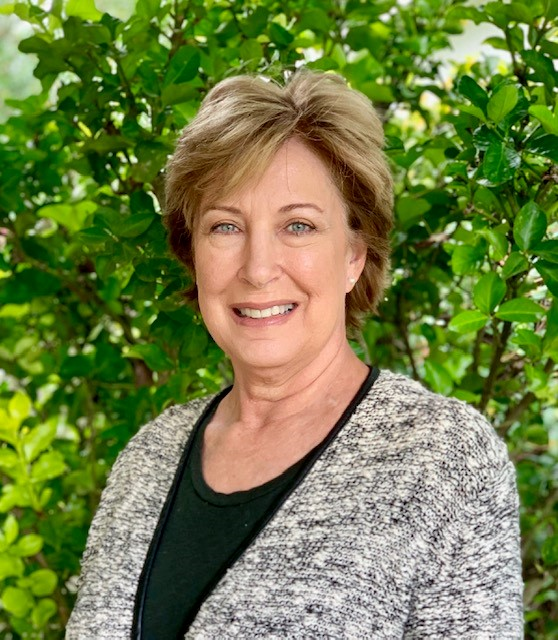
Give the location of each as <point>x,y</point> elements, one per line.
<point>276,310</point>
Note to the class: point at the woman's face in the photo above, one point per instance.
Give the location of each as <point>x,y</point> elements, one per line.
<point>273,263</point>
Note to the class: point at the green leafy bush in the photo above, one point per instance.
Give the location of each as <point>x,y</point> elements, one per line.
<point>95,339</point>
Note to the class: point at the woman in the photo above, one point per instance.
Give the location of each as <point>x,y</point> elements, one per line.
<point>316,497</point>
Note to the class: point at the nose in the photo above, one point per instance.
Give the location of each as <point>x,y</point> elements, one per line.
<point>261,258</point>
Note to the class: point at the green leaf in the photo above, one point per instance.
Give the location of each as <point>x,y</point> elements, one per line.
<point>94,236</point>
<point>17,601</point>
<point>252,52</point>
<point>552,9</point>
<point>502,102</point>
<point>551,333</point>
<point>84,9</point>
<point>497,43</point>
<point>152,354</point>
<point>411,210</point>
<point>543,67</point>
<point>529,226</point>
<point>72,216</point>
<point>43,612</point>
<point>547,250</point>
<point>549,550</point>
<point>438,378</point>
<point>473,110</point>
<point>15,311</point>
<point>10,566</point>
<point>547,46</point>
<point>529,340</point>
<point>483,136</point>
<point>14,496</point>
<point>255,23</point>
<point>27,285</point>
<point>515,264</point>
<point>489,292</point>
<point>546,145</point>
<point>460,12</point>
<point>545,116</point>
<point>43,582</point>
<point>20,406</point>
<point>549,273</point>
<point>536,434</point>
<point>279,35</point>
<point>8,457</point>
<point>377,92</point>
<point>497,11</point>
<point>468,321</point>
<point>470,89</point>
<point>147,8</point>
<point>324,64</point>
<point>500,163</point>
<point>73,366</point>
<point>465,258</point>
<point>28,545</point>
<point>35,44</point>
<point>38,439</point>
<point>183,67</point>
<point>179,93</point>
<point>49,465</point>
<point>316,20</point>
<point>520,310</point>
<point>136,224</point>
<point>11,529</point>
<point>498,242</point>
<point>519,12</point>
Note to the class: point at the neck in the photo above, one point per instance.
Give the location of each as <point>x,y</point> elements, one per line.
<point>262,399</point>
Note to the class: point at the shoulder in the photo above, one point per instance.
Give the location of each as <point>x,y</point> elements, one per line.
<point>442,435</point>
<point>161,441</point>
<point>172,424</point>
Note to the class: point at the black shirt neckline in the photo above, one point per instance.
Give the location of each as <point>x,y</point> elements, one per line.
<point>205,492</point>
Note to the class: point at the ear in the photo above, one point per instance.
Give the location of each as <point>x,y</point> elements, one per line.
<point>356,259</point>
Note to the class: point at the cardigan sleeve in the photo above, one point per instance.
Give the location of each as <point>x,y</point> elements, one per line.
<point>470,586</point>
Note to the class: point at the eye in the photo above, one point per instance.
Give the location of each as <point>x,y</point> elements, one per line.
<point>299,228</point>
<point>224,228</point>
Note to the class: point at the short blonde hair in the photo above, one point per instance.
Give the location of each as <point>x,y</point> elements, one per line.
<point>240,126</point>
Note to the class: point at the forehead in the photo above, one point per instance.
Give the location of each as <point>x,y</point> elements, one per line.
<point>294,173</point>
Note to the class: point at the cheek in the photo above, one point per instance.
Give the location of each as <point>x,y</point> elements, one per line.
<point>210,267</point>
<point>322,269</point>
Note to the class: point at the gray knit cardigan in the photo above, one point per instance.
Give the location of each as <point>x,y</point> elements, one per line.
<point>405,527</point>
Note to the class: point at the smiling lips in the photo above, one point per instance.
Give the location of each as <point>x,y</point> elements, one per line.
<point>275,310</point>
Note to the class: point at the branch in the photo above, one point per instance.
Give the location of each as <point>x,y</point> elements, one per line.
<point>501,342</point>
<point>519,72</point>
<point>404,334</point>
<point>515,411</point>
<point>476,351</point>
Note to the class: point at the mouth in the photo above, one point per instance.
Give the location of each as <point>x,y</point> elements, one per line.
<point>275,310</point>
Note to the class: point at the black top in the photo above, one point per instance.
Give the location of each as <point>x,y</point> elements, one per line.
<point>202,532</point>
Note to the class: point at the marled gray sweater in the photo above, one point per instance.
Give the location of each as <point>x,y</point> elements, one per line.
<point>405,527</point>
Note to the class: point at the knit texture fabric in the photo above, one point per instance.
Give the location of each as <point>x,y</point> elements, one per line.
<point>405,527</point>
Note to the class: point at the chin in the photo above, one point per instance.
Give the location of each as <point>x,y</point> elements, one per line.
<point>265,357</point>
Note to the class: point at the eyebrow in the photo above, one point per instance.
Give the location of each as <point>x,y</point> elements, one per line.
<point>300,205</point>
<point>285,209</point>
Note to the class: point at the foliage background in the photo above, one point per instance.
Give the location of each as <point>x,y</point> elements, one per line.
<point>94,338</point>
